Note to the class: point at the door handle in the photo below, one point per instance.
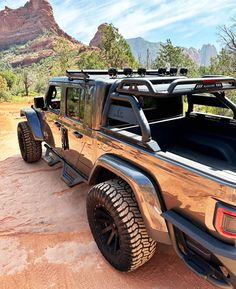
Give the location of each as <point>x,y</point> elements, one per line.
<point>77,134</point>
<point>57,124</point>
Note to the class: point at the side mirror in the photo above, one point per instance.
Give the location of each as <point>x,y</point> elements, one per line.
<point>39,102</point>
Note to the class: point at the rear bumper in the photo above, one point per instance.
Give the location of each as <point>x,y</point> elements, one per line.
<point>225,253</point>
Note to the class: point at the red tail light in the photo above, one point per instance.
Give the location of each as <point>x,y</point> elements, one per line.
<point>210,80</point>
<point>225,221</point>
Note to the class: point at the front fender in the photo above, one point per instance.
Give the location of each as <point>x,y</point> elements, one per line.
<point>33,122</point>
<point>145,192</point>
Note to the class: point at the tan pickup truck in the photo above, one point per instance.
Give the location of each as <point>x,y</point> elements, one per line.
<point>159,151</point>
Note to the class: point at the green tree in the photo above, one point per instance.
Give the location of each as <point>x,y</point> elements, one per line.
<point>4,91</point>
<point>174,56</point>
<point>27,78</point>
<point>115,50</point>
<point>10,77</point>
<point>65,57</point>
<point>91,60</point>
<point>224,63</point>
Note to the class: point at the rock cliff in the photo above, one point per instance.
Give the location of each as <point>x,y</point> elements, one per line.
<point>207,52</point>
<point>96,41</point>
<point>18,26</point>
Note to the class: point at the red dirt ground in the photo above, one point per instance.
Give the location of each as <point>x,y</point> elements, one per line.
<point>45,241</point>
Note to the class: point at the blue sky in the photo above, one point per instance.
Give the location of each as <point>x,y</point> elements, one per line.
<point>185,22</point>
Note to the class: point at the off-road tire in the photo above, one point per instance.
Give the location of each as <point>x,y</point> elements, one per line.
<point>31,150</point>
<point>116,198</point>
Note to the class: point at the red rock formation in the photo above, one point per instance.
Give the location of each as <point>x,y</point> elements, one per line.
<point>18,26</point>
<point>32,58</point>
<point>96,41</point>
<point>38,44</point>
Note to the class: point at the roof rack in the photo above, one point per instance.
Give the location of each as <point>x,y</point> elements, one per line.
<point>128,72</point>
<point>77,74</point>
<point>180,86</point>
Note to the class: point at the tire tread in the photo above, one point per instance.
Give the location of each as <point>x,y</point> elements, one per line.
<point>33,148</point>
<point>119,197</point>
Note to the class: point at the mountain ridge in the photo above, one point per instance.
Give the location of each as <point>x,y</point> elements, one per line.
<point>142,49</point>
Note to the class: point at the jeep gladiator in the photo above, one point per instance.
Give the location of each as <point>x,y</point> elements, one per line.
<point>162,169</point>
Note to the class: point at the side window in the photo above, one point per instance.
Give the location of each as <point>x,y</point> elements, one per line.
<point>75,103</point>
<point>53,98</point>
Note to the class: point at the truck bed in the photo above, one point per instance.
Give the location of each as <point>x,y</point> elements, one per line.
<point>203,140</point>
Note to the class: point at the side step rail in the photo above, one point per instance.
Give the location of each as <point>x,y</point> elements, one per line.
<point>50,158</point>
<point>69,175</point>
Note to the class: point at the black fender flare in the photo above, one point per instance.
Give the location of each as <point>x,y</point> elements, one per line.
<point>145,192</point>
<point>33,122</point>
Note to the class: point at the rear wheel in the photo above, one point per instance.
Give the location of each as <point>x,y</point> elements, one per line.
<point>117,225</point>
<point>31,150</point>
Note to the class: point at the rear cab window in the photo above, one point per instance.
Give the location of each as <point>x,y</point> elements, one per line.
<point>75,103</point>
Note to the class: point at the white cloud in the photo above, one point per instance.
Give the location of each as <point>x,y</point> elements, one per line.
<point>137,17</point>
<point>173,13</point>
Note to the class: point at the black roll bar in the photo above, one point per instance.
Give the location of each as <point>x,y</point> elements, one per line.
<point>140,116</point>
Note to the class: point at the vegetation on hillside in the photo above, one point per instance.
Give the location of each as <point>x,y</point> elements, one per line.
<point>32,80</point>
<point>113,51</point>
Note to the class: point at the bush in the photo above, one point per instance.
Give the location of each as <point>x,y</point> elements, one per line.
<point>4,95</point>
<point>10,77</point>
<point>4,91</point>
<point>40,85</point>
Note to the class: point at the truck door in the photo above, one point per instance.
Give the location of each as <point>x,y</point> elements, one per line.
<point>53,115</point>
<point>73,125</point>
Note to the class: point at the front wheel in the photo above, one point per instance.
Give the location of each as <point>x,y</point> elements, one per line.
<point>31,150</point>
<point>117,225</point>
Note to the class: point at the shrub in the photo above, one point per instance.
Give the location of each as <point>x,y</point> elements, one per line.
<point>4,91</point>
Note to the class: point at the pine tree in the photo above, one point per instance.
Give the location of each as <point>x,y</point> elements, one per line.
<point>174,56</point>
<point>91,60</point>
<point>115,49</point>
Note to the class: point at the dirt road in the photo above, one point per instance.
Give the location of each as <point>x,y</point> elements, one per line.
<point>45,240</point>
